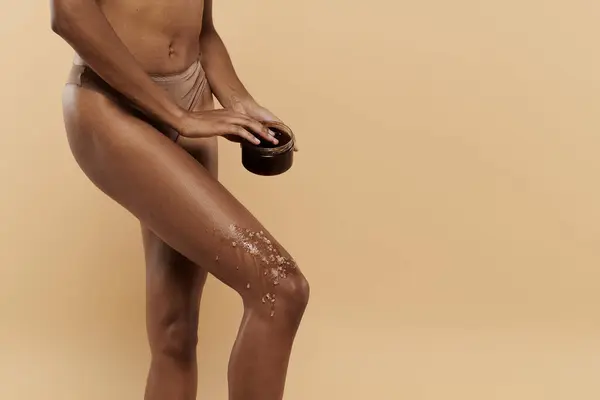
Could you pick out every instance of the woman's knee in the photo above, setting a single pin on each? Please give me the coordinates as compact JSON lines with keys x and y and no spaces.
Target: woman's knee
{"x":294,"y":291}
{"x":176,"y":340}
{"x":284,"y":301}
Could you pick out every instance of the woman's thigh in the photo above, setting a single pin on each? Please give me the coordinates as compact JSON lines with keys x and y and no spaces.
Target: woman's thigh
{"x":174,"y":284}
{"x":173,"y":195}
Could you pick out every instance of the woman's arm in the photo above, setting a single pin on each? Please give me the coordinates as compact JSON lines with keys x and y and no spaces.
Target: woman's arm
{"x":82,"y":25}
{"x":224,"y":82}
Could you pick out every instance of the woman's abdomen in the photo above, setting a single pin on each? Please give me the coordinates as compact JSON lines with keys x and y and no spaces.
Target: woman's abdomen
{"x":162,"y":35}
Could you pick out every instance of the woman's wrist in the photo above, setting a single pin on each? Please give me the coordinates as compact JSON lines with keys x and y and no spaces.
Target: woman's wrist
{"x":184,"y":123}
{"x":236,"y":101}
{"x":172,"y":115}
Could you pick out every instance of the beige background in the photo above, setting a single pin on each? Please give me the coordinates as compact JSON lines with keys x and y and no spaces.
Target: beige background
{"x":444,"y":205}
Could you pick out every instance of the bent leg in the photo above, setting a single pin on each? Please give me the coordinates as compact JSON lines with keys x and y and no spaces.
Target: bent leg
{"x":180,"y":202}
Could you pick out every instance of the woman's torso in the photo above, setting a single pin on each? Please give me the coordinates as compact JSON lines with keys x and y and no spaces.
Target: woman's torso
{"x":163,"y":35}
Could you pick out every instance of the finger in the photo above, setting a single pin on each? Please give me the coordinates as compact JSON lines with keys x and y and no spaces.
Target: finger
{"x":271,"y":132}
{"x":256,"y":127}
{"x":241,"y":132}
{"x":262,"y":130}
{"x":251,"y":123}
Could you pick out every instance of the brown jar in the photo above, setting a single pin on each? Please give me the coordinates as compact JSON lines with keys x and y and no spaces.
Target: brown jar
{"x":266,"y":158}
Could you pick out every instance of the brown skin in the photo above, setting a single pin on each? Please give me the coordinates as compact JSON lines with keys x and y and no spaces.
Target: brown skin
{"x":172,"y":188}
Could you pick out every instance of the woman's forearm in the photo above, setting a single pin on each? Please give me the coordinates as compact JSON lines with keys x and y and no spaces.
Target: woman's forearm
{"x":82,"y":25}
{"x":223,"y":79}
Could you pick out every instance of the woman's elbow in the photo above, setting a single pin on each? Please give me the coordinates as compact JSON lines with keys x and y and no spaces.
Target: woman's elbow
{"x":55,"y":25}
{"x":61,"y":14}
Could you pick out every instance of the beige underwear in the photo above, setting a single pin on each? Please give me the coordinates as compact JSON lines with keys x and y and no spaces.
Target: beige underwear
{"x":187,"y":89}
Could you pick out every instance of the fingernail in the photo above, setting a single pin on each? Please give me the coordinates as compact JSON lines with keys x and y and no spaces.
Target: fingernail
{"x":271,"y":132}
{"x":256,"y":141}
{"x":275,"y":141}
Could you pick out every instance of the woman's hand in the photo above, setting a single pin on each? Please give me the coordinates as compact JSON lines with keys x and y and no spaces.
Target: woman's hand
{"x":230,"y":124}
{"x":256,"y":112}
